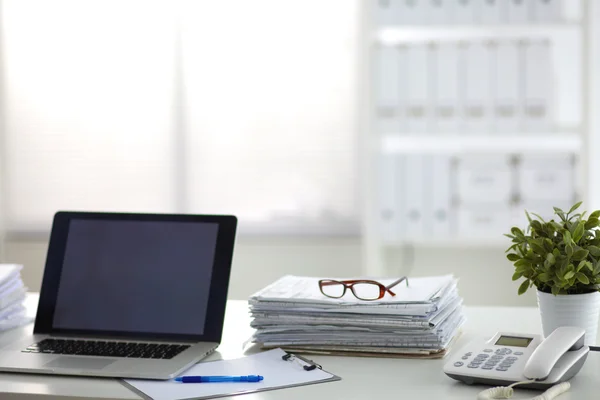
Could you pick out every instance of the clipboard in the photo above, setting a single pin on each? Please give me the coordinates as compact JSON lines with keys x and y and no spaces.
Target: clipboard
{"x":280,"y":370}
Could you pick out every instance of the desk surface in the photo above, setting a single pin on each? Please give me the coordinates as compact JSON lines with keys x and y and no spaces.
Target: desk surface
{"x":362,"y":378}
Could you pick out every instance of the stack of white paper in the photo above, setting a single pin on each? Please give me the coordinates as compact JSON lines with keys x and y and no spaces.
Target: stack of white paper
{"x":422,"y":318}
{"x":12,"y":296}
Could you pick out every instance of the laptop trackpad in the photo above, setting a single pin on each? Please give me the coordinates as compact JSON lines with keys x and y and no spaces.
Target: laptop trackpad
{"x":79,"y":363}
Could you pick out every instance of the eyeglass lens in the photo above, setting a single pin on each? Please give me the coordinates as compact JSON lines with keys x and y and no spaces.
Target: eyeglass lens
{"x":363,"y":291}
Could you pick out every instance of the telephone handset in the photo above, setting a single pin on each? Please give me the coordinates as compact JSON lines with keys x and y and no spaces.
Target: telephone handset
{"x":508,"y":358}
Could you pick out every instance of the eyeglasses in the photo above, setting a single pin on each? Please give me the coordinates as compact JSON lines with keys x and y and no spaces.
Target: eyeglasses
{"x":361,"y":289}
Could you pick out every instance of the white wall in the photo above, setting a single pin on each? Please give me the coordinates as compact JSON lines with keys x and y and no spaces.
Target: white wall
{"x":484,"y":273}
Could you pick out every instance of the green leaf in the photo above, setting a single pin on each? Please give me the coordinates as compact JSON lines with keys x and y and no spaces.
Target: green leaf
{"x":578,"y":234}
{"x":516,"y":276}
{"x":544,"y":277}
{"x":550,"y":258}
{"x":528,"y":216}
{"x":509,"y":236}
{"x":589,"y":266}
{"x":524,"y":286}
{"x":555,"y":290}
{"x":580,"y":254}
{"x":513,"y":257}
{"x":537,"y":248}
{"x":514,"y":246}
{"x":523,"y":263}
{"x":569,"y":250}
{"x":560,"y":213}
{"x":583,"y":278}
{"x":580,"y":265}
{"x":575,"y":207}
{"x":569,"y":275}
{"x":594,"y":250}
{"x":517,"y":232}
{"x":538,"y":217}
{"x":567,"y":237}
{"x":592,"y":223}
{"x":595,"y":214}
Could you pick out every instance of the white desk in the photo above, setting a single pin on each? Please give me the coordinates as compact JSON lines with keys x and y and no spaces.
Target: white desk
{"x":362,"y":378}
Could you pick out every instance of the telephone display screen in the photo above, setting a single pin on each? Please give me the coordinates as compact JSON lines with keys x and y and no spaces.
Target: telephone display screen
{"x":513,"y":341}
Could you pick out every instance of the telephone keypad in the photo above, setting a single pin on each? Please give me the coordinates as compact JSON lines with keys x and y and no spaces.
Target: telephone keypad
{"x":500,"y":360}
{"x":518,"y":353}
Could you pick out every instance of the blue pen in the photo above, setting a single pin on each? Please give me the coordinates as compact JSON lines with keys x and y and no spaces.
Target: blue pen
{"x":207,"y":379}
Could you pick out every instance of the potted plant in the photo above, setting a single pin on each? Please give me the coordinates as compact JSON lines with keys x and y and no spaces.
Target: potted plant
{"x":562,"y":260}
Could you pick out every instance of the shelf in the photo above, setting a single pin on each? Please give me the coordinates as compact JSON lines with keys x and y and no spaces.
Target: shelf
{"x":449,"y":144}
{"x":500,"y":242}
{"x":394,"y":35}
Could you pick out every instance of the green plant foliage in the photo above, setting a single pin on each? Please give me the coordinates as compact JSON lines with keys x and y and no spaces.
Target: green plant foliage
{"x":558,"y":257}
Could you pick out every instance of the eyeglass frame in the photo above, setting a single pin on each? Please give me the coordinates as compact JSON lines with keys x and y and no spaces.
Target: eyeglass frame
{"x":349,"y":284}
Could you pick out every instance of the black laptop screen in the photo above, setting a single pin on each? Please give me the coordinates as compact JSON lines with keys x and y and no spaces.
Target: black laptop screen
{"x":136,"y":276}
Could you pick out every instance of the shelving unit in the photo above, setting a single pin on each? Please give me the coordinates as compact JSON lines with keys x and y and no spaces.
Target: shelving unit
{"x":559,"y":139}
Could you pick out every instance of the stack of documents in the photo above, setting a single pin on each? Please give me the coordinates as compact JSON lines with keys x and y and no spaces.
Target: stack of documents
{"x":12,"y":297}
{"x":422,"y":320}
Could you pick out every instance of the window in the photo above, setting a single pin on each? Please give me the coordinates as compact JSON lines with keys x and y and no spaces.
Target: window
{"x":242,"y":107}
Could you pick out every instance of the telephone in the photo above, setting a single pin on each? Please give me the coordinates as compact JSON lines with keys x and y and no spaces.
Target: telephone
{"x":508,"y":358}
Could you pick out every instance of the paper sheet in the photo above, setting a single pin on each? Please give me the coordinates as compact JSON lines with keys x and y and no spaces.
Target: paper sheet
{"x":306,"y":290}
{"x":277,"y":374}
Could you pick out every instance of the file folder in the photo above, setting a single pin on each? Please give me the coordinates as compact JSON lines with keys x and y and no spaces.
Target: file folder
{"x":477,"y":77}
{"x":463,"y":11}
{"x":507,"y":90}
{"x":446,"y":92}
{"x":414,"y":195}
{"x":519,"y":11}
{"x":440,"y":195}
{"x":418,"y":112}
{"x":547,"y":179}
{"x":411,"y":12}
{"x":390,"y":72}
{"x":383,"y":13}
{"x":538,"y":81}
{"x":547,"y":10}
{"x":437,"y":12}
{"x":390,"y":197}
{"x":493,"y":11}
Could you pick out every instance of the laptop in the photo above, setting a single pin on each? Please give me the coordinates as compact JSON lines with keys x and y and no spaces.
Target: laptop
{"x":128,"y":295}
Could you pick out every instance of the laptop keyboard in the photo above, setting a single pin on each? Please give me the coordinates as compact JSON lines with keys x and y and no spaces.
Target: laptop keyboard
{"x":106,"y":349}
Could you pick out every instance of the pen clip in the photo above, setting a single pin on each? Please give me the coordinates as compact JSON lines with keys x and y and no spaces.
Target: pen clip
{"x":292,"y":357}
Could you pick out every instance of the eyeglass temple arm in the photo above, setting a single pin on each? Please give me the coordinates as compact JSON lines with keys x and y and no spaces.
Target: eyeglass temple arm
{"x":391,"y":285}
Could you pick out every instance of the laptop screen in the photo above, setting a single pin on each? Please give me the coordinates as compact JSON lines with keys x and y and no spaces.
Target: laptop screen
{"x":137,"y":275}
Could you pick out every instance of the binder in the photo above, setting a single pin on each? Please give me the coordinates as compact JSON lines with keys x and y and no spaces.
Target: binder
{"x":440,"y":195}
{"x":418,"y":111}
{"x":547,"y":10}
{"x":411,"y":12}
{"x":390,"y":197}
{"x":537,"y":81}
{"x":546,"y":179}
{"x":476,"y":80}
{"x":507,"y":87}
{"x":389,"y":73}
{"x":446,"y":87}
{"x":484,"y":179}
{"x":383,"y":13}
{"x":437,"y":11}
{"x":519,"y":11}
{"x":463,"y":11}
{"x":493,"y":11}
{"x":414,"y":195}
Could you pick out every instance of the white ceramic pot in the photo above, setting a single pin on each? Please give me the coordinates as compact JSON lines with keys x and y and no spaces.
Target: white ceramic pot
{"x":570,"y":310}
